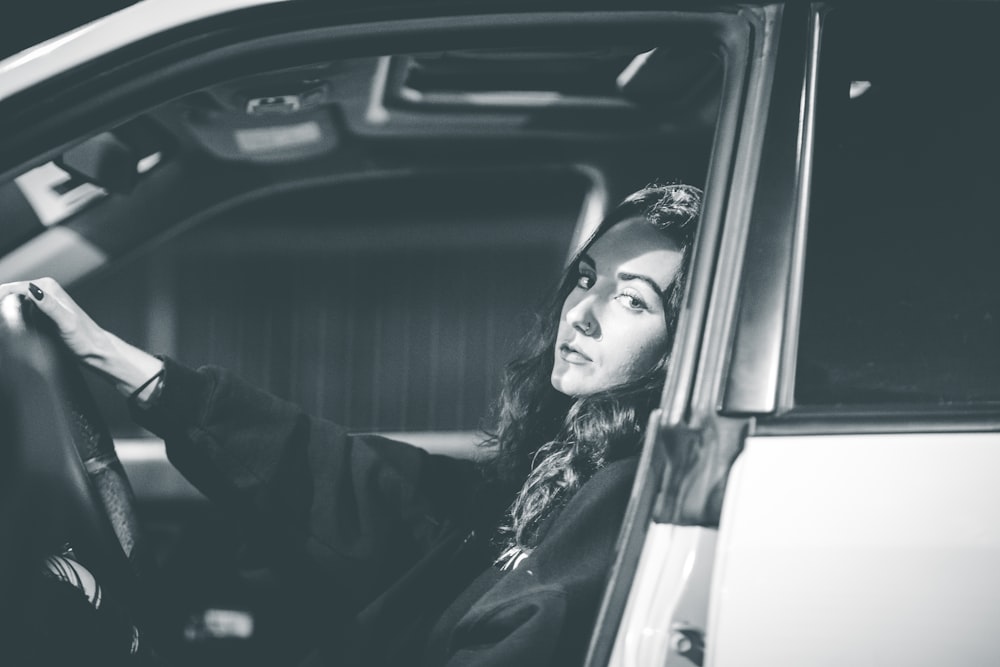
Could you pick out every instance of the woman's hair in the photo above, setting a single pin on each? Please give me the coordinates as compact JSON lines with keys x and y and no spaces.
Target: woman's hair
{"x":548,"y":443}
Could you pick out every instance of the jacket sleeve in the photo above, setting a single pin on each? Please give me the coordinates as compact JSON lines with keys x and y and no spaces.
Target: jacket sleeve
{"x":362,"y":509}
{"x":543,"y":612}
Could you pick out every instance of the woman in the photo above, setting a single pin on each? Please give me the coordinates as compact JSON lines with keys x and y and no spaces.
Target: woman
{"x":412,"y":558}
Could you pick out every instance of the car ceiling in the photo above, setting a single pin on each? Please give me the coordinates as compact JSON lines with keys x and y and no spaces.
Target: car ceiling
{"x":644,"y":107}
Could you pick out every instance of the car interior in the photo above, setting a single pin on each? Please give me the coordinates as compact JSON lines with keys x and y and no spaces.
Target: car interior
{"x":364,"y":232}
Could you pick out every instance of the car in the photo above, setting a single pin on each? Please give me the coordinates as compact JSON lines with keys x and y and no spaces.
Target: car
{"x":352,"y":204}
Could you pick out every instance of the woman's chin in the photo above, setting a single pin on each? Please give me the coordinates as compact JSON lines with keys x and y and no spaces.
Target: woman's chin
{"x":566,"y":384}
{"x":559,"y":383}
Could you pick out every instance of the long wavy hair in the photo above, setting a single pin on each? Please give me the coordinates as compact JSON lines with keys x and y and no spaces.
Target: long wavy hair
{"x":548,"y":444}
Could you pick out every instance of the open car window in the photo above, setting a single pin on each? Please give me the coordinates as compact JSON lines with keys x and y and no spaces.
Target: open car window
{"x":388,"y":305}
{"x":367,"y":237}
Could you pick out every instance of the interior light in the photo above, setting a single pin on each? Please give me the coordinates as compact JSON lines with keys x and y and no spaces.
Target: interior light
{"x":276,"y":138}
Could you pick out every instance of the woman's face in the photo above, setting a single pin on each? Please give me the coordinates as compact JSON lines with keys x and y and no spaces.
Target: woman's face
{"x":613,"y":326}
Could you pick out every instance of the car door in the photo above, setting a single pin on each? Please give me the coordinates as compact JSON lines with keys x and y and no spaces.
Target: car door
{"x":858,"y":375}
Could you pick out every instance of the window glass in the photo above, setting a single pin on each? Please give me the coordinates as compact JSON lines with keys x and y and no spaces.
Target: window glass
{"x":901,"y":301}
{"x":387,"y":305}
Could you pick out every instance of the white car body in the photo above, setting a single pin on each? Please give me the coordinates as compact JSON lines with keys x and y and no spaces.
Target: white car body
{"x":105,"y":35}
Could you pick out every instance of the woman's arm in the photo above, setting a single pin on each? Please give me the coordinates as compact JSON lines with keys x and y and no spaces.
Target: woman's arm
{"x":359,"y":509}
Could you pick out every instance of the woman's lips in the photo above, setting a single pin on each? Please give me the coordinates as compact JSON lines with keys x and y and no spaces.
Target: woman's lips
{"x":572,"y":355}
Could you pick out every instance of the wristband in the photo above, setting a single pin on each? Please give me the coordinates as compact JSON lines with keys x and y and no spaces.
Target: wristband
{"x":134,"y":396}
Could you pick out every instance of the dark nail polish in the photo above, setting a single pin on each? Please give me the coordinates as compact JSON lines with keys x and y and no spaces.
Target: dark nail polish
{"x":35,"y":291}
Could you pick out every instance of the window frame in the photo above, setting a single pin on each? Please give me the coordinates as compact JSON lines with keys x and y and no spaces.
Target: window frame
{"x":760,"y":376}
{"x":757,"y":364}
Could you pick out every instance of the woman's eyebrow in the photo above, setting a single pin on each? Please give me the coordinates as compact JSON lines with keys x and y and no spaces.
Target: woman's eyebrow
{"x":649,"y":281}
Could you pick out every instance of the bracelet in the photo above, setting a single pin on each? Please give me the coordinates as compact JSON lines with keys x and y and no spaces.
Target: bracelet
{"x":134,"y":396}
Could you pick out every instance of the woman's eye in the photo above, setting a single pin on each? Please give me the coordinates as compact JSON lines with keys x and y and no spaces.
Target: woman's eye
{"x":584,"y":280}
{"x":631,"y":301}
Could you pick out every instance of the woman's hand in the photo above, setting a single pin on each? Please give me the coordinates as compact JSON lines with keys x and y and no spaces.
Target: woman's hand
{"x":127,"y":366}
{"x":80,"y":333}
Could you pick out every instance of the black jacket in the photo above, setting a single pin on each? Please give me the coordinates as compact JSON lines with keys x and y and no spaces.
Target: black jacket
{"x":392,"y":543}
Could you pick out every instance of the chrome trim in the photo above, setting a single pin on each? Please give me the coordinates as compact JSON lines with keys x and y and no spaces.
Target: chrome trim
{"x":751,"y":378}
{"x":714,"y":270}
{"x":793,"y":305}
{"x":737,"y":205}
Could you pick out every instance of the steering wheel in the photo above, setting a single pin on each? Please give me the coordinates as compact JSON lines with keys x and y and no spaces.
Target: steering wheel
{"x":62,"y":480}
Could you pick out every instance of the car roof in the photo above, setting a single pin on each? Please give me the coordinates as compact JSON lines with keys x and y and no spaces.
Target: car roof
{"x":40,"y":20}
{"x":49,"y":47}
{"x":125,"y":24}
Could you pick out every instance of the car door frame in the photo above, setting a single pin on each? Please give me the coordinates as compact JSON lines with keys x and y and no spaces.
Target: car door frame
{"x":656,"y":608}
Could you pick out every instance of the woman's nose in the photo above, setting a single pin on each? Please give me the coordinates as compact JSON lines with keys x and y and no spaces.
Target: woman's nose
{"x":582,"y":317}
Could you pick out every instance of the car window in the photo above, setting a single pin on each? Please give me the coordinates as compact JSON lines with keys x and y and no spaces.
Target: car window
{"x":386,"y":305}
{"x":901,"y":301}
{"x":370,"y":237}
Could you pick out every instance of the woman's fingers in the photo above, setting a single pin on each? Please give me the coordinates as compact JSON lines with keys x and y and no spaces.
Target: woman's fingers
{"x":44,"y":293}
{"x":75,"y":326}
{"x":35,"y":288}
{"x":53,"y":300}
{"x":6,"y":289}
{"x":22,"y":289}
